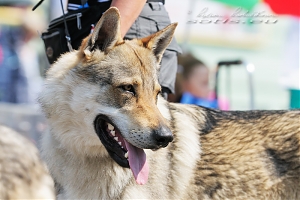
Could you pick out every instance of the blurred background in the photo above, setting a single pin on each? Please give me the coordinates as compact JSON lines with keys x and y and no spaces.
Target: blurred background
{"x":260,"y":38}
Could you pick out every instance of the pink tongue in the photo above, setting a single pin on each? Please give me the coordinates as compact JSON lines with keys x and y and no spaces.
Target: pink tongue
{"x":138,"y":163}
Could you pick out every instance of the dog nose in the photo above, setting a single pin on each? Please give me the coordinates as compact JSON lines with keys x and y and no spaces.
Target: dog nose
{"x":163,"y":136}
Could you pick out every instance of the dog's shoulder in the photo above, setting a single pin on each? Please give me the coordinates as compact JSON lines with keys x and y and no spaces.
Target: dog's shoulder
{"x":23,"y":174}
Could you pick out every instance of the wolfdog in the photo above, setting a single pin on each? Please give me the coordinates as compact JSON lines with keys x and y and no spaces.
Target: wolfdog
{"x":112,"y":136}
{"x":22,"y":173}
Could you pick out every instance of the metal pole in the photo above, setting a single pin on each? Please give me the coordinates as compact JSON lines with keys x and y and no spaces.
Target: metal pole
{"x":250,"y":69}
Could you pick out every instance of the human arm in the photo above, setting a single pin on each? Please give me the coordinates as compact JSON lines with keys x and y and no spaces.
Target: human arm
{"x":129,"y":10}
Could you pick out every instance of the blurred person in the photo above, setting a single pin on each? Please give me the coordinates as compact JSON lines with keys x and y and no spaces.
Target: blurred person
{"x":193,"y":82}
{"x":31,"y":54}
{"x":13,"y":82}
{"x":20,"y":76}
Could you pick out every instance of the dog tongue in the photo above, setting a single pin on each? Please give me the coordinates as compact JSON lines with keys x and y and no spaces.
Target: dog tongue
{"x":138,"y":163}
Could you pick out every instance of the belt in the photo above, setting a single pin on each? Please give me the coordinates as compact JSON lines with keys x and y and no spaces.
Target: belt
{"x":161,"y":1}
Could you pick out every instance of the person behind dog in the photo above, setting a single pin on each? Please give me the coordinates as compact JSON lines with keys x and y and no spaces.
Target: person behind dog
{"x":140,"y":18}
{"x":193,"y":82}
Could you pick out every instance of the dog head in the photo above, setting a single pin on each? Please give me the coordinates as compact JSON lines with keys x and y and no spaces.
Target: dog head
{"x":112,"y":86}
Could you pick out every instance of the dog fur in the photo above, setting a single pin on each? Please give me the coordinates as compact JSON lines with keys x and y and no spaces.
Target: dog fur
{"x":192,"y":152}
{"x":22,"y":173}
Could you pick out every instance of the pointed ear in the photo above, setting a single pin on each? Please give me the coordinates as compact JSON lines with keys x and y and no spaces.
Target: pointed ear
{"x":106,"y":34}
{"x":158,"y":42}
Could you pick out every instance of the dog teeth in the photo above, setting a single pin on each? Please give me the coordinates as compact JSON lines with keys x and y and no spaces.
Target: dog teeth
{"x":113,"y":133}
{"x":126,"y":155}
{"x":110,"y":127}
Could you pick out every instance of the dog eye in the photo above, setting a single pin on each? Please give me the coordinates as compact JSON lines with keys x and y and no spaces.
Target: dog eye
{"x":128,"y":88}
{"x":158,"y":93}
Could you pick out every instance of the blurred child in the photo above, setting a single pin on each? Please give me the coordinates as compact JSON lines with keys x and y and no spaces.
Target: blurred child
{"x":193,"y":82}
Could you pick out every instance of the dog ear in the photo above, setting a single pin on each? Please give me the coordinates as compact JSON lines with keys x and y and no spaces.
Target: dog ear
{"x":158,"y":42}
{"x":106,"y":33}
